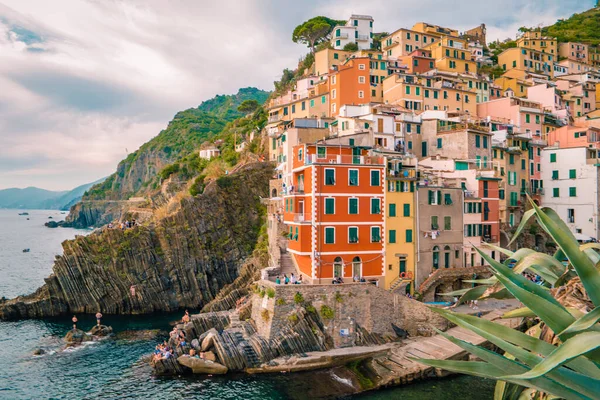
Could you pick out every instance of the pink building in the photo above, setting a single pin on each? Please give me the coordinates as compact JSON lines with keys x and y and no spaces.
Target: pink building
{"x":525,"y":115}
{"x":549,"y":96}
{"x":574,"y":136}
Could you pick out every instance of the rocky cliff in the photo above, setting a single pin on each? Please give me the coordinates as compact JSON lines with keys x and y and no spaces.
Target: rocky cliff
{"x":181,"y":260}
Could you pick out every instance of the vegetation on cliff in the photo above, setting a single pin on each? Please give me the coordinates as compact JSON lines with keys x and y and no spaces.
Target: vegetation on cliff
{"x":214,"y":118}
{"x":582,"y":27}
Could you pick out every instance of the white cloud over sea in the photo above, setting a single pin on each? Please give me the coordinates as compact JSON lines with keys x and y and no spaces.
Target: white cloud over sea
{"x":81,"y":81}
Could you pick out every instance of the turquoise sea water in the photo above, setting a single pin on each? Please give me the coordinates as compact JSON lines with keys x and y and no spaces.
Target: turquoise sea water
{"x":114,"y":368}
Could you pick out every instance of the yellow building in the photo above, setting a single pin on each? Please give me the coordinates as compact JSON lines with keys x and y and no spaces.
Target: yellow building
{"x":527,"y":59}
{"x":328,"y":58}
{"x":515,"y":80}
{"x":312,"y":104}
{"x":434,"y":30}
{"x":534,"y":40}
{"x":404,"y":41}
{"x":452,"y":54}
{"x":429,"y":92}
{"x":400,"y":217}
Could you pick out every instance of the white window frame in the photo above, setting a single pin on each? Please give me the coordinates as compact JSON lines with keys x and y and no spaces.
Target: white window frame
{"x":361,"y":79}
{"x":325,"y":176}
{"x":333,"y":80}
{"x":357,"y":205}
{"x":325,"y":205}
{"x":379,"y":173}
{"x":325,"y":234}
{"x":361,"y":67}
{"x":357,"y":234}
{"x":357,"y":176}
{"x":333,"y":107}
{"x":371,"y":233}
{"x":371,"y":205}
{"x":361,"y":94}
{"x":333,"y":94}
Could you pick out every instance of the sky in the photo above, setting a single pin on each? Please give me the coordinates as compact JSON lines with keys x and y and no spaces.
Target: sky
{"x":84,"y":82}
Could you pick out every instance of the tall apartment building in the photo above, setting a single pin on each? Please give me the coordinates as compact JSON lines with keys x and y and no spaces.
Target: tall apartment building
{"x":534,"y":40}
{"x":335,"y":213}
{"x":574,"y":51}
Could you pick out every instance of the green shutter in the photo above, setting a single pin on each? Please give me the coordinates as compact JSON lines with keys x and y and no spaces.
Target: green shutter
{"x":477,"y":141}
{"x":439,"y":143}
{"x":392,"y":236}
{"x":409,"y":236}
{"x":412,"y":187}
{"x":447,"y":199}
{"x":375,"y":208}
{"x":353,"y":235}
{"x":572,"y":174}
{"x":554,"y":174}
{"x":374,"y":178}
{"x":407,"y":210}
{"x":553,"y":157}
{"x":572,"y":192}
{"x":431,"y":198}
{"x":392,"y":210}
{"x":375,"y":234}
{"x":330,"y":177}
{"x":353,"y":206}
{"x":329,"y":235}
{"x":353,"y":177}
{"x":439,"y":197}
{"x":329,"y":206}
{"x":555,"y":192}
{"x":447,"y":223}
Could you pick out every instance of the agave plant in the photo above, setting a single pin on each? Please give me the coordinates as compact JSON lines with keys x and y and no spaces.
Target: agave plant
{"x":557,"y":358}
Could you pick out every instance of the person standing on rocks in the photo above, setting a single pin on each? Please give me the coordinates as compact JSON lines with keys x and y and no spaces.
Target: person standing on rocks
{"x":98,"y":317}
{"x":74,"y":319}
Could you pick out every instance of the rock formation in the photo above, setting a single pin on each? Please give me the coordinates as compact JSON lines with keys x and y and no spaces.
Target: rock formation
{"x":181,"y":260}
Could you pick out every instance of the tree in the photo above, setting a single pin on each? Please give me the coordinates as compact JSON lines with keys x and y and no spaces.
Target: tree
{"x":314,"y":31}
{"x":377,"y":38}
{"x":248,"y":106}
{"x":351,"y":47}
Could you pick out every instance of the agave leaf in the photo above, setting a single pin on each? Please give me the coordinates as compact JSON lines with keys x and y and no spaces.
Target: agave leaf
{"x":526,"y":216}
{"x":488,"y":281}
{"x":545,"y":260}
{"x":586,"y":246}
{"x":499,"y":294}
{"x":587,"y":321}
{"x":486,"y":370}
{"x":495,"y":332}
{"x":499,"y":249}
{"x":507,"y":391}
{"x":586,"y":269}
{"x":472,"y":294}
{"x":519,"y":313}
{"x":592,"y":254}
{"x":574,"y":347}
{"x":519,"y":254}
{"x":456,"y":292}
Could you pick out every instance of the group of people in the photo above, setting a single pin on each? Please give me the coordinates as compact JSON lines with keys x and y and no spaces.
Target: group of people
{"x":98,"y":320}
{"x":162,"y":352}
{"x":289,"y":280}
{"x":123,"y":225}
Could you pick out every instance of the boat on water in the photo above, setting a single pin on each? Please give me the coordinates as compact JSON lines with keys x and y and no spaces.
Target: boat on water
{"x":26,"y":250}
{"x":24,"y":213}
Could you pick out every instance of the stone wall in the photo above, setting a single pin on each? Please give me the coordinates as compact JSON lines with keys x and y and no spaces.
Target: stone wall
{"x":449,"y":279}
{"x":359,"y":310}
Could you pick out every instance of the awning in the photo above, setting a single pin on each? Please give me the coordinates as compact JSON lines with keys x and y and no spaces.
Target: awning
{"x":280,"y":167}
{"x":584,"y":238}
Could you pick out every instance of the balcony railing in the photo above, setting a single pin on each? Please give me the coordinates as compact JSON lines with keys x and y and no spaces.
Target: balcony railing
{"x":343,"y":159}
{"x":362,"y":38}
{"x":342,"y":36}
{"x":402,"y":174}
{"x":298,"y":217}
{"x":537,"y":190}
{"x":490,"y":238}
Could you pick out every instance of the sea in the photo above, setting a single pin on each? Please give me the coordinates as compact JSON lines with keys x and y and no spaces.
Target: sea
{"x":116,"y":368}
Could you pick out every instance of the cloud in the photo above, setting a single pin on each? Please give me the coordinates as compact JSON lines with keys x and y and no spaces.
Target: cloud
{"x":81,"y":81}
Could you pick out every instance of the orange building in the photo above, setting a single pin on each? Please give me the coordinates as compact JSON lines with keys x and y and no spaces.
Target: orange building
{"x":418,"y":62}
{"x":574,"y":136}
{"x":335,"y":213}
{"x":350,"y":84}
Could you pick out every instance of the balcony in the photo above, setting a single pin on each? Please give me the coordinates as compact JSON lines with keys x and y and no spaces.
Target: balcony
{"x":490,"y":239}
{"x":362,"y":38}
{"x":341,"y":36}
{"x":302,"y":218}
{"x":402,"y":174}
{"x":343,"y":159}
{"x":537,"y":190}
{"x":539,"y":142}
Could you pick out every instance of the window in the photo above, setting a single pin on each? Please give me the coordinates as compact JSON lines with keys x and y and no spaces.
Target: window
{"x":556,"y":192}
{"x":353,"y":205}
{"x":477,"y":141}
{"x":361,"y":94}
{"x":435,"y":197}
{"x":553,"y":157}
{"x":448,"y":223}
{"x":511,"y":158}
{"x":330,"y":205}
{"x":554,"y":175}
{"x":353,"y":177}
{"x":375,"y":177}
{"x":571,"y":215}
{"x":436,"y":257}
{"x":447,"y":199}
{"x":409,"y":236}
{"x":523,"y":165}
{"x":299,"y":154}
{"x":361,"y":67}
{"x":407,"y":90}
{"x":375,"y":206}
{"x":392,"y":236}
{"x":501,"y":194}
{"x":375,"y":234}
{"x":329,"y":176}
{"x":338,"y":43}
{"x":527,"y":118}
{"x":426,"y":93}
{"x":485,"y":142}
{"x":336,"y":55}
{"x":361,"y":79}
{"x":353,"y":234}
{"x":407,"y":210}
{"x":329,"y":235}
{"x":572,"y":192}
{"x":418,"y":91}
{"x":572,"y":174}
{"x":434,"y":222}
{"x":392,"y":210}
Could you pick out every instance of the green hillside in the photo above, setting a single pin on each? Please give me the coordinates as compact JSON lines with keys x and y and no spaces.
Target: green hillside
{"x":184,"y":134}
{"x":582,"y":27}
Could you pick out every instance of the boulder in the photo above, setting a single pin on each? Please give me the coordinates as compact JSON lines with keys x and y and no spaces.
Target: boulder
{"x":39,"y":352}
{"x":51,"y":224}
{"x":209,"y":340}
{"x":196,"y":345}
{"x":200,"y":366}
{"x":77,"y":336}
{"x":146,"y":334}
{"x":101,"y":330}
{"x":210,"y":356}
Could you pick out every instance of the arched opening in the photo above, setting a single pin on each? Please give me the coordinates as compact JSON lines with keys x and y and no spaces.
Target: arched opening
{"x":539,"y":242}
{"x":338,"y":267}
{"x":357,"y":267}
{"x":274,"y":193}
{"x":436,"y":257}
{"x":446,"y":256}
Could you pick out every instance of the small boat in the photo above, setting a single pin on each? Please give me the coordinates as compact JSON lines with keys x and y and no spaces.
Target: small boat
{"x":49,"y":217}
{"x":26,"y":250}
{"x":24,"y":213}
